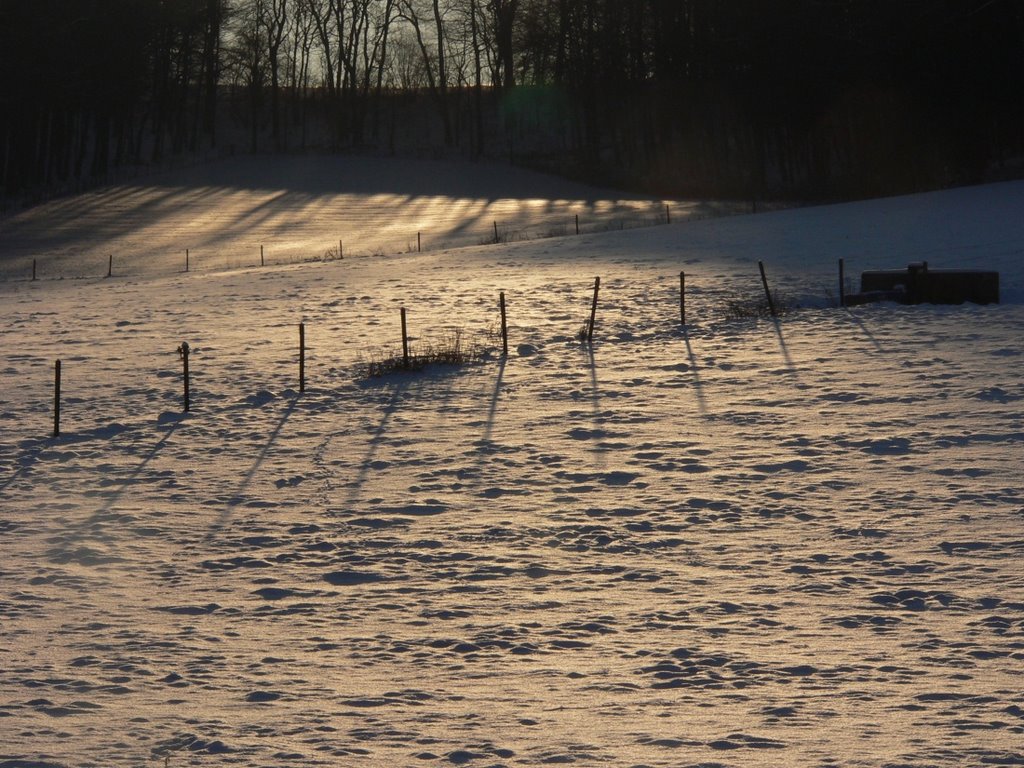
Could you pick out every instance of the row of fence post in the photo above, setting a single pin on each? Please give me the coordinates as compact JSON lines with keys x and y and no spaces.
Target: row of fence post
{"x":184,"y":351}
{"x":586,"y":335}
{"x":341,"y":248}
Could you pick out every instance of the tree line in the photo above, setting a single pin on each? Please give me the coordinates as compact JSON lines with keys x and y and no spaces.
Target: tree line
{"x":805,"y":98}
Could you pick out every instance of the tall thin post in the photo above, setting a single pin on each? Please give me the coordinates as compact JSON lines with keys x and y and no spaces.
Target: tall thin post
{"x":110,"y":266}
{"x":33,"y":270}
{"x":504,"y":324}
{"x":419,"y":243}
{"x":767,"y":292}
{"x":302,"y":357}
{"x":183,"y":351}
{"x":186,"y":259}
{"x":405,"y":341}
{"x":495,"y":232}
{"x":56,"y":399}
{"x":668,"y":214}
{"x":262,"y":262}
{"x":577,"y":223}
{"x":341,"y":250}
{"x":682,"y":298}
{"x":593,"y":310}
{"x":842,"y":284}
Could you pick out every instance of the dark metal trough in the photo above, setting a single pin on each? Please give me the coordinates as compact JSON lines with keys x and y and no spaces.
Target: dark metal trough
{"x":919,"y":285}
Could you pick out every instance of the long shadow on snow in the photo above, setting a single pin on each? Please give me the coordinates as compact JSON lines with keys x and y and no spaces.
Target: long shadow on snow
{"x":239,"y":496}
{"x":74,"y":533}
{"x":34,"y":448}
{"x":406,"y":383}
{"x":492,"y":406}
{"x":791,"y":368}
{"x":865,"y":329}
{"x":378,"y":437}
{"x":113,"y":498}
{"x":595,"y":403}
{"x":485,"y":445}
{"x":698,"y":385}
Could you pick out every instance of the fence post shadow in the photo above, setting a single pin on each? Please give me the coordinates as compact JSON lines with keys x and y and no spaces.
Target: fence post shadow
{"x":595,"y":401}
{"x":492,"y":407}
{"x":698,"y":385}
{"x":247,"y":480}
{"x":777,"y":324}
{"x":867,"y":331}
{"x":375,"y":441}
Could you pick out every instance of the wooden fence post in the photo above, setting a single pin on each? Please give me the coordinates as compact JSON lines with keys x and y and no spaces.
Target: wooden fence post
{"x":405,"y":341}
{"x":496,"y":232}
{"x":504,"y":324}
{"x":186,"y":259}
{"x":577,"y":223}
{"x":262,"y":262}
{"x":56,"y":399}
{"x":668,"y":215}
{"x":682,"y":298}
{"x":183,"y":351}
{"x":110,"y":266}
{"x":419,"y":243}
{"x":767,"y":292}
{"x":341,"y":250}
{"x":842,"y":284}
{"x":302,"y":357}
{"x":593,"y":310}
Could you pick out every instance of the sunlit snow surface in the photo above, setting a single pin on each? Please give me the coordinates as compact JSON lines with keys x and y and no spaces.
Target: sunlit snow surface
{"x":243,"y":210}
{"x":740,"y":543}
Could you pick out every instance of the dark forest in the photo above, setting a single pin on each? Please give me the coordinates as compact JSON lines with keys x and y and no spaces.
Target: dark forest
{"x":795,"y":99}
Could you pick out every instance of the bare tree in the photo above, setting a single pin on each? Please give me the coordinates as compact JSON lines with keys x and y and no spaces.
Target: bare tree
{"x":503,"y":15}
{"x":277,"y":22}
{"x":435,"y":63}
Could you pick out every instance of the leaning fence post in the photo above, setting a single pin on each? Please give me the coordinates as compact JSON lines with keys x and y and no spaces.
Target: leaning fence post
{"x":767,"y":292}
{"x":183,"y":352}
{"x":504,"y":324}
{"x":593,"y":310}
{"x":842,"y":284}
{"x":302,"y":357}
{"x":56,"y":399}
{"x":405,"y":341}
{"x":682,"y":298}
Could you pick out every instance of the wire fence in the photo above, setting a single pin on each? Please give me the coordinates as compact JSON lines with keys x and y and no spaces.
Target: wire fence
{"x":57,"y":254}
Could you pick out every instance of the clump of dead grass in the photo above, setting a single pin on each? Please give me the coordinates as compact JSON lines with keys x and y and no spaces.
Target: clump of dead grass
{"x":453,"y":348}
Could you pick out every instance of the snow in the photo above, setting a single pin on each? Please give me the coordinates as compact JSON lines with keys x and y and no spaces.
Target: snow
{"x":738,"y":543}
{"x":297,"y":208}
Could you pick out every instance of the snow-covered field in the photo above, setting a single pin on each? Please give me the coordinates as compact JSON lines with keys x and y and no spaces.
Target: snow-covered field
{"x":735,"y":543}
{"x":291,"y":209}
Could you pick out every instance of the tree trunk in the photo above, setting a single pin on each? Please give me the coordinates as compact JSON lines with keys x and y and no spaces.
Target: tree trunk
{"x":442,"y":77}
{"x":478,"y":149}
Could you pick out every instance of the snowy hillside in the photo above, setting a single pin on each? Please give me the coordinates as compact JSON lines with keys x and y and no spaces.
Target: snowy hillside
{"x":735,"y":543}
{"x":298,"y":209}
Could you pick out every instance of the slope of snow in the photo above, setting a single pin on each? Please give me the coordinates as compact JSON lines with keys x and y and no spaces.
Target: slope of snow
{"x":298,"y":208}
{"x":734,"y":543}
